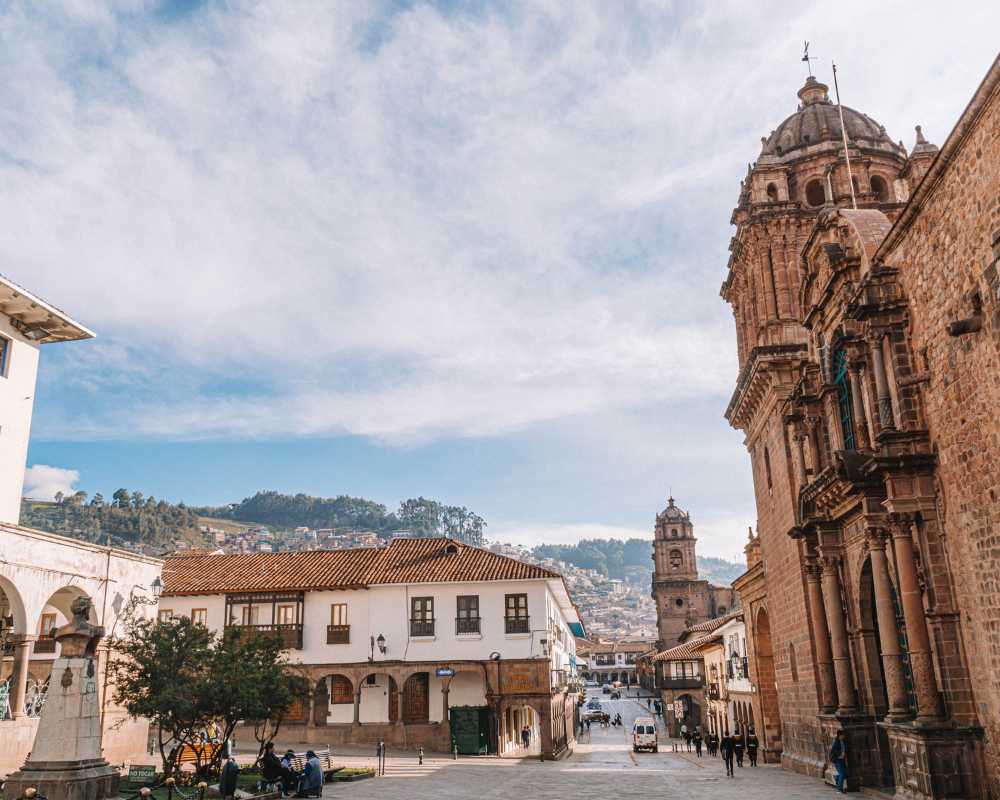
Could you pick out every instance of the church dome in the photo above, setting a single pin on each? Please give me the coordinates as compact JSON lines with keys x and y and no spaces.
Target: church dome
{"x":818,"y":120}
{"x":672,"y":513}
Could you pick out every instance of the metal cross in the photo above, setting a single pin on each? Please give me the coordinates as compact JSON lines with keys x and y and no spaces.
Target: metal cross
{"x":807,"y":58}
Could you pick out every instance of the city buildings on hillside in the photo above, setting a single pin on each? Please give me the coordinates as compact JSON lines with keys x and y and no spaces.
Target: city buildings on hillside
{"x":866,"y":294}
{"x":407,"y":644}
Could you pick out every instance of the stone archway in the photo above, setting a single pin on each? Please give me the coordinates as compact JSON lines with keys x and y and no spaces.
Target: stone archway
{"x":767,"y":686}
{"x":416,"y":698}
{"x":11,"y":606}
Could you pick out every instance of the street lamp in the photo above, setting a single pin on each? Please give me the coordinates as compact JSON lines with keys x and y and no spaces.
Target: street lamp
{"x":157,"y":588}
{"x":381,"y":646}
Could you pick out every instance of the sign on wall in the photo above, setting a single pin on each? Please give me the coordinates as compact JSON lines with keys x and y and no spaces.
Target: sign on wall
{"x":679,"y":709}
{"x":137,"y":773}
{"x":445,"y":672}
{"x":521,"y":681}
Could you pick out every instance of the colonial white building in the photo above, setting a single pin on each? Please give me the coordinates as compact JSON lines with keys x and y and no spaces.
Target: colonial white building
{"x":26,"y":323}
{"x":41,"y":574}
{"x":607,"y":662}
{"x":414,"y":643}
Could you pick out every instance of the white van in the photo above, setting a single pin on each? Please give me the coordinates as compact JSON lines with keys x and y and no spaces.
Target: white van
{"x":644,"y":734}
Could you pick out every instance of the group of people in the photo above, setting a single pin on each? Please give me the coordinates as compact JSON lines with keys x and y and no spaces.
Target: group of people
{"x":731,"y":746}
{"x":282,"y":772}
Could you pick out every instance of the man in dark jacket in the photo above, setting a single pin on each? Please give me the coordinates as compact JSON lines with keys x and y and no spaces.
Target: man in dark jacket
{"x":838,"y":757}
{"x":738,"y":746}
{"x":311,"y":784}
{"x":752,"y":744}
{"x":726,"y":746}
{"x":274,"y":772}
{"x":229,"y":778}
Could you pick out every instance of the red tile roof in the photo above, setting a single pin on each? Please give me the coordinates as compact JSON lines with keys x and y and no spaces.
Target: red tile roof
{"x":712,"y":624}
{"x":687,"y":651}
{"x":403,"y":561}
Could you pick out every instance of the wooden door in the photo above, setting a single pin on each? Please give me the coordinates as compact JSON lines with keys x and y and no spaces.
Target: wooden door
{"x":393,"y":700}
{"x":416,"y":699}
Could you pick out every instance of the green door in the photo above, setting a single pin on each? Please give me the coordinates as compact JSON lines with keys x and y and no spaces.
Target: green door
{"x":468,"y":730}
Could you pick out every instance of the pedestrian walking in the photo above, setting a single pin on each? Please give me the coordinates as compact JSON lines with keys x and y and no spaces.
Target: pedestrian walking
{"x":838,"y":757}
{"x":697,"y":741}
{"x":727,"y":746}
{"x":713,"y":744}
{"x":526,"y":736}
{"x":229,"y":778}
{"x":739,"y":744}
{"x":752,"y":744}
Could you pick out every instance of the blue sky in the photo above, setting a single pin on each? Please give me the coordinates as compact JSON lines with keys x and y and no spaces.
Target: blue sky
{"x":465,"y":250}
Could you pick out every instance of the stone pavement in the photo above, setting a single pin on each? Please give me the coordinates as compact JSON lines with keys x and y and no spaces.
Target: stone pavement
{"x":603,"y":765}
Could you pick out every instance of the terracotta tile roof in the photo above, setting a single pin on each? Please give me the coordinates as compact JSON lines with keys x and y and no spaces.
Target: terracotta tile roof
{"x":403,"y":561}
{"x":687,"y":651}
{"x":713,"y":624}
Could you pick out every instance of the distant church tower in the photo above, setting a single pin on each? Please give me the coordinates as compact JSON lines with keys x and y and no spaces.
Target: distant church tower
{"x":681,"y":598}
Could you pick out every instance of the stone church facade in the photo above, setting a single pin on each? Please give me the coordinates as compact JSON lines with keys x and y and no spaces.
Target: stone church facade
{"x":867,"y":305}
{"x":682,"y":599}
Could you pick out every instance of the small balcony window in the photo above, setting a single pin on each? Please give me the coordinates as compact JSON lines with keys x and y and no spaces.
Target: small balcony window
{"x":467,"y":619}
{"x":421,"y":616}
{"x":516,"y":614}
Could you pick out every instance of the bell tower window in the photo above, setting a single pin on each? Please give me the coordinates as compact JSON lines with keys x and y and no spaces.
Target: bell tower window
{"x":772,"y":193}
{"x":880,"y":188}
{"x":815,"y":195}
{"x":676,"y":559}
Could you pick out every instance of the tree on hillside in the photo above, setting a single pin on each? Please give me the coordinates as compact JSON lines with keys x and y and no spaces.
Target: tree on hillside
{"x":121,"y":498}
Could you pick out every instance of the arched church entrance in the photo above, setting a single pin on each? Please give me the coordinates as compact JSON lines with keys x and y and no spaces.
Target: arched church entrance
{"x":767,"y":687}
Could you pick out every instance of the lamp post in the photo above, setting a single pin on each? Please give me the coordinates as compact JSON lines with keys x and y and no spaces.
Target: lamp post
{"x":380,"y":642}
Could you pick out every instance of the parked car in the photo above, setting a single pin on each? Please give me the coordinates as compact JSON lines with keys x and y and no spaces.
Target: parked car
{"x":606,"y":688}
{"x":594,"y":704}
{"x":644,"y":734}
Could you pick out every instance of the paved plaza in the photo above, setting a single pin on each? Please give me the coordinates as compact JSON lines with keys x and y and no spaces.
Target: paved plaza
{"x":604,"y":766}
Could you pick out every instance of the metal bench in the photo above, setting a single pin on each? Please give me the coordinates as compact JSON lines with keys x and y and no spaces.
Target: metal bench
{"x":325,"y":761}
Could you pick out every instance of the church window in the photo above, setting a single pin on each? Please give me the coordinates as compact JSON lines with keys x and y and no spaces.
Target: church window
{"x":792,"y":663}
{"x":815,"y":196}
{"x":673,"y":532}
{"x":676,"y":559}
{"x":767,"y":469}
{"x":679,"y":602}
{"x":772,"y":193}
{"x":842,"y":382}
{"x":880,"y":189}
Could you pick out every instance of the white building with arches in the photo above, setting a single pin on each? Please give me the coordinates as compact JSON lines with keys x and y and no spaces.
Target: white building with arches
{"x":40,"y":573}
{"x":425,"y":642}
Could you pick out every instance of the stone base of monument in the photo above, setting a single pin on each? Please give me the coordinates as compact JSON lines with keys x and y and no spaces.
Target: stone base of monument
{"x":64,"y":780}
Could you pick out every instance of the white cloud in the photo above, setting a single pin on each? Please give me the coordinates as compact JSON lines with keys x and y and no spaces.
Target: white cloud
{"x":41,"y":482}
{"x":314,"y":218}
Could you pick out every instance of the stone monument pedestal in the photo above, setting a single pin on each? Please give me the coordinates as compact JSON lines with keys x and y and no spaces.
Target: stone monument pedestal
{"x":65,"y":762}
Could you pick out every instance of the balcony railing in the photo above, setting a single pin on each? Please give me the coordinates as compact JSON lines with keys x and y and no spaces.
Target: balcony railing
{"x":516,"y":625}
{"x":686,"y":682}
{"x":338,"y":634}
{"x":467,"y":625}
{"x":45,"y":645}
{"x":290,"y":634}
{"x":421,"y":627}
{"x":713,"y":691}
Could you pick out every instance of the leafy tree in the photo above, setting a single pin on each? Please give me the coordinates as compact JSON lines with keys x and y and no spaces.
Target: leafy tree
{"x":181,"y":677}
{"x":97,"y":501}
{"x":59,"y":498}
{"x":122,"y":498}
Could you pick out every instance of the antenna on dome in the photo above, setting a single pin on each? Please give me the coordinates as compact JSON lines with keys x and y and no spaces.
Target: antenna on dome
{"x":843,"y":130}
{"x":807,"y":58}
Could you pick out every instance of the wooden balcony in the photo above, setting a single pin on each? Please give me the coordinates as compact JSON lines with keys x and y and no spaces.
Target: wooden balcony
{"x":45,"y":644}
{"x":688,"y":682}
{"x":290,"y":634}
{"x":516,"y":625}
{"x":338,"y":634}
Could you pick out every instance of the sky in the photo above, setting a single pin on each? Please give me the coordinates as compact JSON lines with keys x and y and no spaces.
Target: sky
{"x":469,"y":251}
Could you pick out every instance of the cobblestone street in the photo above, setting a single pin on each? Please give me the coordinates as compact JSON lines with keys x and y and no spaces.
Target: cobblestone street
{"x":603,"y":767}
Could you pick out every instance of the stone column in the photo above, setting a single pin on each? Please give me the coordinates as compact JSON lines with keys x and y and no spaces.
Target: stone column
{"x":857,"y":407}
{"x":320,"y":703}
{"x":357,"y":705}
{"x":19,"y":675}
{"x":815,"y":446}
{"x":821,"y":634}
{"x":834,"y":602}
{"x":881,"y":384}
{"x":892,"y":657}
{"x":445,"y":688}
{"x":911,"y":598}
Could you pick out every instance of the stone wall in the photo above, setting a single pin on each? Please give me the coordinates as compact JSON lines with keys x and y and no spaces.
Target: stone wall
{"x":947,"y":251}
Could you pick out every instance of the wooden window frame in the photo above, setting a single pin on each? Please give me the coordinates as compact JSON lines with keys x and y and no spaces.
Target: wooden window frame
{"x":199,"y":612}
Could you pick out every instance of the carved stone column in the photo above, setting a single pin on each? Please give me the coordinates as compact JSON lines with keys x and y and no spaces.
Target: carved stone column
{"x":815,"y":450}
{"x":925,"y":687}
{"x":19,"y":677}
{"x":320,"y":703}
{"x":881,"y":384}
{"x":821,"y":634}
{"x":885,"y":611}
{"x":846,"y":703}
{"x":445,"y":688}
{"x":357,"y":705}
{"x":857,"y":407}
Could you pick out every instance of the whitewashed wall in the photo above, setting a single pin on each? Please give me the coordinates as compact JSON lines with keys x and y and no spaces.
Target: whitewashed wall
{"x":17,"y":393}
